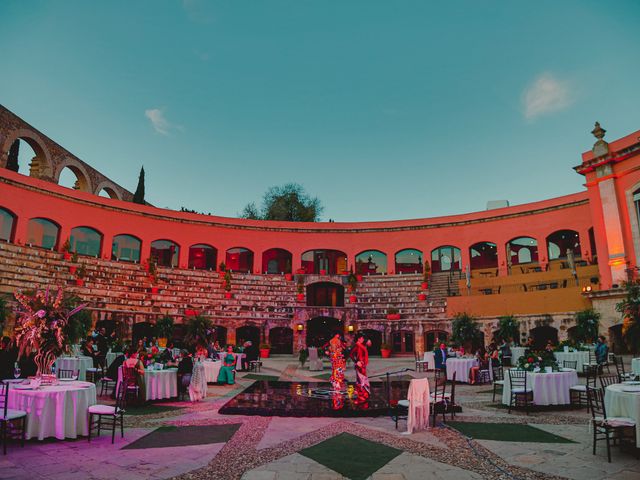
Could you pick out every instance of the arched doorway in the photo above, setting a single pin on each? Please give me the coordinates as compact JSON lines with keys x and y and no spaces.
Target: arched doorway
{"x":434,"y":338}
{"x":330,"y":262}
{"x":86,"y":241}
{"x":220,"y":334}
{"x":409,"y":260}
{"x":483,"y":255}
{"x":276,"y":261}
{"x":321,"y":329}
{"x":281,"y":340}
{"x":126,"y":248}
{"x":165,"y":252}
{"x":239,"y":259}
{"x":558,"y":243}
{"x":376,"y":340}
{"x":203,"y":257}
{"x":446,"y":259}
{"x":402,"y":341}
{"x":141,"y":330}
{"x":541,"y":335}
{"x":522,"y":250}
{"x":371,"y":262}
{"x":248,"y":333}
{"x":43,"y":233}
{"x":7,"y":225}
{"x":325,"y":294}
{"x":616,"y":342}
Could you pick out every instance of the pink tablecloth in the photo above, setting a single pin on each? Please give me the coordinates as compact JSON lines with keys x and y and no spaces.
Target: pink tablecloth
{"x":58,"y":411}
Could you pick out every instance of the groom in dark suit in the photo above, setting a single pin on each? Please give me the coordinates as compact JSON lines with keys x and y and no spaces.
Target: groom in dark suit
{"x":440,"y":355}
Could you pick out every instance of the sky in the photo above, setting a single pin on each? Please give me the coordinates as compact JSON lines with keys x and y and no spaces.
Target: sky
{"x":383,"y":110}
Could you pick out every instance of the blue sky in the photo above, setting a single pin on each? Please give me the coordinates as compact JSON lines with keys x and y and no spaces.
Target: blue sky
{"x":384,"y":110}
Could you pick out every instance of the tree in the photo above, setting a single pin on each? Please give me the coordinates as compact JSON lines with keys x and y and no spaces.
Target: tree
{"x":465,"y":331}
{"x":138,"y":197}
{"x":12,"y":159}
{"x":285,"y":203}
{"x":508,"y":328}
{"x":198,"y":330}
{"x":164,"y":327}
{"x":630,"y":309}
{"x":587,"y":325}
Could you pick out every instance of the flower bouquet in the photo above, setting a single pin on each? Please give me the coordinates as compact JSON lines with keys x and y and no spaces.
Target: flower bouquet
{"x":538,"y":361}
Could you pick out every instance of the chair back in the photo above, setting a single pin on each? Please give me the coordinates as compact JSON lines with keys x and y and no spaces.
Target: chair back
{"x":619,"y":366}
{"x":128,"y":375}
{"x":498,"y":372}
{"x":592,"y":357}
{"x":120,"y":397}
{"x":453,"y":389}
{"x":591,"y":371}
{"x":570,"y":364}
{"x":440,"y":386}
{"x":517,"y":379}
{"x":4,"y":397}
{"x":606,"y":380}
{"x":62,"y":373}
{"x":595,"y":400}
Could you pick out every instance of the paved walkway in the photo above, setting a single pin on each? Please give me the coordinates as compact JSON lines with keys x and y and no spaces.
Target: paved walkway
{"x":269,"y":447}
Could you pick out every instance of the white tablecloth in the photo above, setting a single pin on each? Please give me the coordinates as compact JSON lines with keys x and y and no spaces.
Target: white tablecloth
{"x":548,"y":388}
{"x":77,"y":364}
{"x":111,"y":356}
{"x":430,"y":358}
{"x":581,"y":357}
{"x":635,"y":366}
{"x":516,"y":353}
{"x":239,"y":357}
{"x":462,"y":366}
{"x":211,"y":371}
{"x":623,"y":404}
{"x":58,"y":411}
{"x":159,"y":384}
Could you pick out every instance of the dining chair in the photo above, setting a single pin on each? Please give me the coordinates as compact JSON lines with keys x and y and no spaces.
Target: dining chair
{"x":572,"y":364}
{"x":498,"y":380}
{"x":62,"y":373}
{"x":12,"y":421}
{"x":520,"y":395}
{"x":110,"y":412}
{"x":578,"y":393}
{"x":606,"y":380}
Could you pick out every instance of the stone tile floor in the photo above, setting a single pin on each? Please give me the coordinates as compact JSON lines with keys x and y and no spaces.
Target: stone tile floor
{"x":267,"y":447}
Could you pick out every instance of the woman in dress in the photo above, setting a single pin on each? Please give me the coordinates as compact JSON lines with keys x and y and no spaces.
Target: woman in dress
{"x":228,"y":367}
{"x":133,"y":366}
{"x":335,"y":351}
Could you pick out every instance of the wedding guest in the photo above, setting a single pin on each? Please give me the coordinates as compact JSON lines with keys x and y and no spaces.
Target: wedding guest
{"x":27,"y":363}
{"x":549,"y":347}
{"x":88,"y":351}
{"x":483,"y":364}
{"x":251,"y":354}
{"x":201,"y":352}
{"x":185,"y":370}
{"x":167,"y":354}
{"x":7,"y":358}
{"x":133,"y":362}
{"x":228,"y":367}
{"x":440,"y":355}
{"x":602,"y":351}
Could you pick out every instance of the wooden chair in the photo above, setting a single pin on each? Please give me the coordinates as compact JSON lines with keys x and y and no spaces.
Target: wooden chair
{"x":603,"y":426}
{"x":255,"y":365}
{"x":12,"y":422}
{"x":498,"y":380}
{"x":520,"y":394}
{"x":572,"y":364}
{"x":129,"y":384}
{"x":110,"y":412}
{"x":484,"y":376}
{"x":619,"y":363}
{"x":578,"y":393}
{"x":421,"y":364}
{"x":440,"y":398}
{"x":606,"y":380}
{"x":67,"y":373}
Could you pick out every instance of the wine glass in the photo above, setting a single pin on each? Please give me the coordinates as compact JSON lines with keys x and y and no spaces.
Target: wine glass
{"x":16,"y":370}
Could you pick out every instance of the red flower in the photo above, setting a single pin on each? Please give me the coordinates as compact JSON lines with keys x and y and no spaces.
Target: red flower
{"x":530,"y":359}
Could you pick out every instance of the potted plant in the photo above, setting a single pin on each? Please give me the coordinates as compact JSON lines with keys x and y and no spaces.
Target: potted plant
{"x":466,"y":331}
{"x":323,"y":271}
{"x":385,"y":350}
{"x":352,"y":280}
{"x":422,"y":297}
{"x":300,"y":295}
{"x":74,"y":259}
{"x":164,"y":330}
{"x":227,"y":285}
{"x":393,"y":314}
{"x":265,"y":349}
{"x":222,"y":268}
{"x":81,"y":274}
{"x":154,"y":289}
{"x":66,"y":247}
{"x":152,"y":269}
{"x":425,"y":276}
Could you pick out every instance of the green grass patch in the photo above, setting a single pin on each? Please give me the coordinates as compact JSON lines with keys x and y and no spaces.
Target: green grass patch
{"x":322,"y":376}
{"x":171,"y":436}
{"x":256,"y":376}
{"x":351,"y":456}
{"x":506,"y":432}
{"x":150,"y":409}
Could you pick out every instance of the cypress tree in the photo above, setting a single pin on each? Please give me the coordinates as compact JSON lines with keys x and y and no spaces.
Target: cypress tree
{"x":12,"y":161}
{"x":138,"y":197}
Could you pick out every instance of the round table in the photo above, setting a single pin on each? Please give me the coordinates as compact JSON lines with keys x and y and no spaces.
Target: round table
{"x":77,"y":364}
{"x":548,"y":388}
{"x":58,"y":411}
{"x":580,"y":357}
{"x":635,"y":366}
{"x":430,"y":358}
{"x":211,"y":371}
{"x":158,"y":384}
{"x":461,"y":367}
{"x":618,"y":403}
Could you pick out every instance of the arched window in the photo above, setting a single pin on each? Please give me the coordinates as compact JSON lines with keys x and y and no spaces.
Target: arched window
{"x":86,"y":241}
{"x":165,"y":252}
{"x":7,"y":225}
{"x":42,"y":233}
{"x":483,"y":255}
{"x":239,"y":260}
{"x":330,"y":262}
{"x":446,"y":259}
{"x":72,"y":177}
{"x":636,"y":204}
{"x":559,"y":242}
{"x":325,"y":294}
{"x":203,"y":257}
{"x":27,"y":157}
{"x":409,"y":260}
{"x":276,"y":260}
{"x":126,"y":248}
{"x":371,"y":262}
{"x":523,"y":250}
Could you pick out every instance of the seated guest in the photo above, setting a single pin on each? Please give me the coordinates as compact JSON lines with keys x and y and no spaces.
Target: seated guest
{"x":228,"y":367}
{"x":483,"y":364}
{"x":7,"y":359}
{"x":27,"y":363}
{"x":251,"y":352}
{"x":549,"y":346}
{"x":185,"y":370}
{"x":440,"y":355}
{"x":167,"y":354}
{"x":505,"y":353}
{"x":133,"y":362}
{"x":201,"y":352}
{"x":112,"y":371}
{"x":87,"y":351}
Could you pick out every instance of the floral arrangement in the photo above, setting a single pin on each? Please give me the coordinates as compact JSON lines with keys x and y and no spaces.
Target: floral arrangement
{"x":572,"y":346}
{"x":534,"y":361}
{"x":43,"y":325}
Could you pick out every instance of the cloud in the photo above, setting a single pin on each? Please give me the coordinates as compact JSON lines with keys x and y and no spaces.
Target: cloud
{"x":546,"y":94}
{"x":159,"y":122}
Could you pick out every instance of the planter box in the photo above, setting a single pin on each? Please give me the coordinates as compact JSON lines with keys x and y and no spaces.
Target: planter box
{"x":66,"y":255}
{"x":353,"y":299}
{"x":154,"y":290}
{"x":190,"y":312}
{"x":385,"y":353}
{"x":393,"y":316}
{"x":80,"y":282}
{"x":422,"y":297}
{"x":264,"y":352}
{"x":228,"y":295}
{"x":72,"y":269}
{"x":424,"y":285}
{"x":323,"y":272}
{"x":288,"y":277}
{"x":222,"y":274}
{"x":300,"y":297}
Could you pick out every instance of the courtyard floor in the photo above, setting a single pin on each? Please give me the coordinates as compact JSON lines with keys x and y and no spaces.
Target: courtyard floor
{"x":193,"y":441}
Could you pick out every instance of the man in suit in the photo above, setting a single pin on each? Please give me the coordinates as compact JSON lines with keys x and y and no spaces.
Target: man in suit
{"x":440,"y":355}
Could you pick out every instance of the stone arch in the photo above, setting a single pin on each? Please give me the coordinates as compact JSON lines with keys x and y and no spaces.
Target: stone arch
{"x":84,"y":180}
{"x":109,"y":188}
{"x":42,"y":164}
